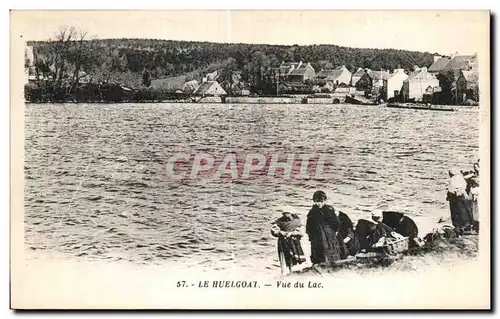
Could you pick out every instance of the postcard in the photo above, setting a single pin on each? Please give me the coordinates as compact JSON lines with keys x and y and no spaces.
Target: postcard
{"x":239,"y":159}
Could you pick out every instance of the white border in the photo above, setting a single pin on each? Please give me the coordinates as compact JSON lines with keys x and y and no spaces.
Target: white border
{"x":150,"y":4}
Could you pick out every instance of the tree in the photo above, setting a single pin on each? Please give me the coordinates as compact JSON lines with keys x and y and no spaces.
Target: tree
{"x":325,"y":65}
{"x":365,"y":83}
{"x":448,"y":87}
{"x":79,"y":53}
{"x":146,"y":78}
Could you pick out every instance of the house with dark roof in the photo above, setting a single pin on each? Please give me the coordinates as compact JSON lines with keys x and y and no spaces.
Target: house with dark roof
{"x":209,"y":88}
{"x":462,"y":62}
{"x":302,"y":73}
{"x":419,"y":83}
{"x":438,"y":65}
{"x":285,"y":68}
{"x":450,"y":74}
{"x":467,"y":86}
{"x":337,"y":76}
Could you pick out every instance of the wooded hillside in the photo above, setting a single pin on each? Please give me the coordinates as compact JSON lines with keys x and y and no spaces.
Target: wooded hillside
{"x":125,"y":58}
{"x":137,"y":63}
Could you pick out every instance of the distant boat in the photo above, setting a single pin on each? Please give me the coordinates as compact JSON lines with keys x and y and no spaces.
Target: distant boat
{"x":414,"y":106}
{"x":359,"y":100}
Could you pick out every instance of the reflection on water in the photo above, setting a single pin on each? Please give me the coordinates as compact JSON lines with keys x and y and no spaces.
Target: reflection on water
{"x":96,"y":182}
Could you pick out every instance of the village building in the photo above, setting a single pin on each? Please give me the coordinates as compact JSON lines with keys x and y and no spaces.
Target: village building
{"x":209,"y":88}
{"x":30,"y":71}
{"x":356,"y":76}
{"x":211,"y":76}
{"x":335,"y":77}
{"x":293,"y":72}
{"x":302,"y":73}
{"x":467,"y":87}
{"x":393,"y":84}
{"x":189,"y":87}
{"x":29,"y":64}
{"x":284,"y":70}
{"x":372,"y":82}
{"x":450,"y":73}
{"x":456,"y":62}
{"x":419,"y":83}
{"x":462,"y":62}
{"x":378,"y":78}
{"x":438,"y":65}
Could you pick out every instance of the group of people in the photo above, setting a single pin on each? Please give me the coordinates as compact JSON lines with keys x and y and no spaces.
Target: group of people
{"x":334,"y":237}
{"x":462,"y":194}
{"x":332,"y":234}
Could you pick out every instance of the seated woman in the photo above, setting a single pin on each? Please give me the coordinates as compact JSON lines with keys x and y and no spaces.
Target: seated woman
{"x":363,"y":229}
{"x":289,"y":230}
{"x":349,"y":240}
{"x":370,"y":233}
{"x":403,"y":225}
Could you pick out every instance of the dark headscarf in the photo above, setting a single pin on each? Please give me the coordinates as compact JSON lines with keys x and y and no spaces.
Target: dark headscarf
{"x":319,"y":195}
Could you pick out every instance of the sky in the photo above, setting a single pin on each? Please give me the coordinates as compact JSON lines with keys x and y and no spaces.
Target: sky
{"x":443,"y":32}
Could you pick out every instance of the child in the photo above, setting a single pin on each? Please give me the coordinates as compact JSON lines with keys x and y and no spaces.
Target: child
{"x":289,"y":230}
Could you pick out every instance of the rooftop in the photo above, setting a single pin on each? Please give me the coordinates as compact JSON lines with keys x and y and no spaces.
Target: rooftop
{"x":439,"y":65}
{"x":420,"y":74}
{"x":331,"y":74}
{"x":299,"y":71}
{"x":471,"y":77}
{"x":460,"y":62}
{"x":379,"y":75}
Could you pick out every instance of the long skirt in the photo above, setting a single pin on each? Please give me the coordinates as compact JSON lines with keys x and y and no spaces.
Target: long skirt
{"x":349,"y":248}
{"x":461,"y":211}
{"x":325,"y":246}
{"x":475,"y":213}
{"x":290,"y":253}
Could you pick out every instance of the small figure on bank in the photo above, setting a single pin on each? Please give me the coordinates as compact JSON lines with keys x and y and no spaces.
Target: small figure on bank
{"x":289,"y":230}
{"x":460,"y":209}
{"x":472,"y":189}
{"x":322,"y":227}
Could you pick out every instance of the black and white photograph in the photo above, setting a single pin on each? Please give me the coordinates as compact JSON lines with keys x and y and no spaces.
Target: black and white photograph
{"x":232,"y":159}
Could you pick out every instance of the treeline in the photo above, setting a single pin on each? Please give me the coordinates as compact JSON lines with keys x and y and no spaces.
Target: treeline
{"x":166,"y":58}
{"x":71,"y":58}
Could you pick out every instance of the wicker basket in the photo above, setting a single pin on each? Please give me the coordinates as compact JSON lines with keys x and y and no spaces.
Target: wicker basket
{"x":397,"y":246}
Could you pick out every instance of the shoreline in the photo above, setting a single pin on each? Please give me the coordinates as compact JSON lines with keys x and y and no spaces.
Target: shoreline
{"x":384,"y":105}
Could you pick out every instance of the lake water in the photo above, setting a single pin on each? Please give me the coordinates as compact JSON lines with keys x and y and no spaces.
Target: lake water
{"x":96,"y":183}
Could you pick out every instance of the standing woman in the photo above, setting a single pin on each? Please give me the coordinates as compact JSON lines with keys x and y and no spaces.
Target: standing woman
{"x":472,"y":179}
{"x":322,"y":226}
{"x":461,"y":212}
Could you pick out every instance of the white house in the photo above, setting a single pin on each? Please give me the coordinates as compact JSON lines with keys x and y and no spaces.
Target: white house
{"x":210,"y":88}
{"x":417,"y":84}
{"x":394,"y":83}
{"x":336,"y":76}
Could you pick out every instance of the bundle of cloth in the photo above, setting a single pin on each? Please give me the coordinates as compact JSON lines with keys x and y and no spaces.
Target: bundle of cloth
{"x":389,"y":225}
